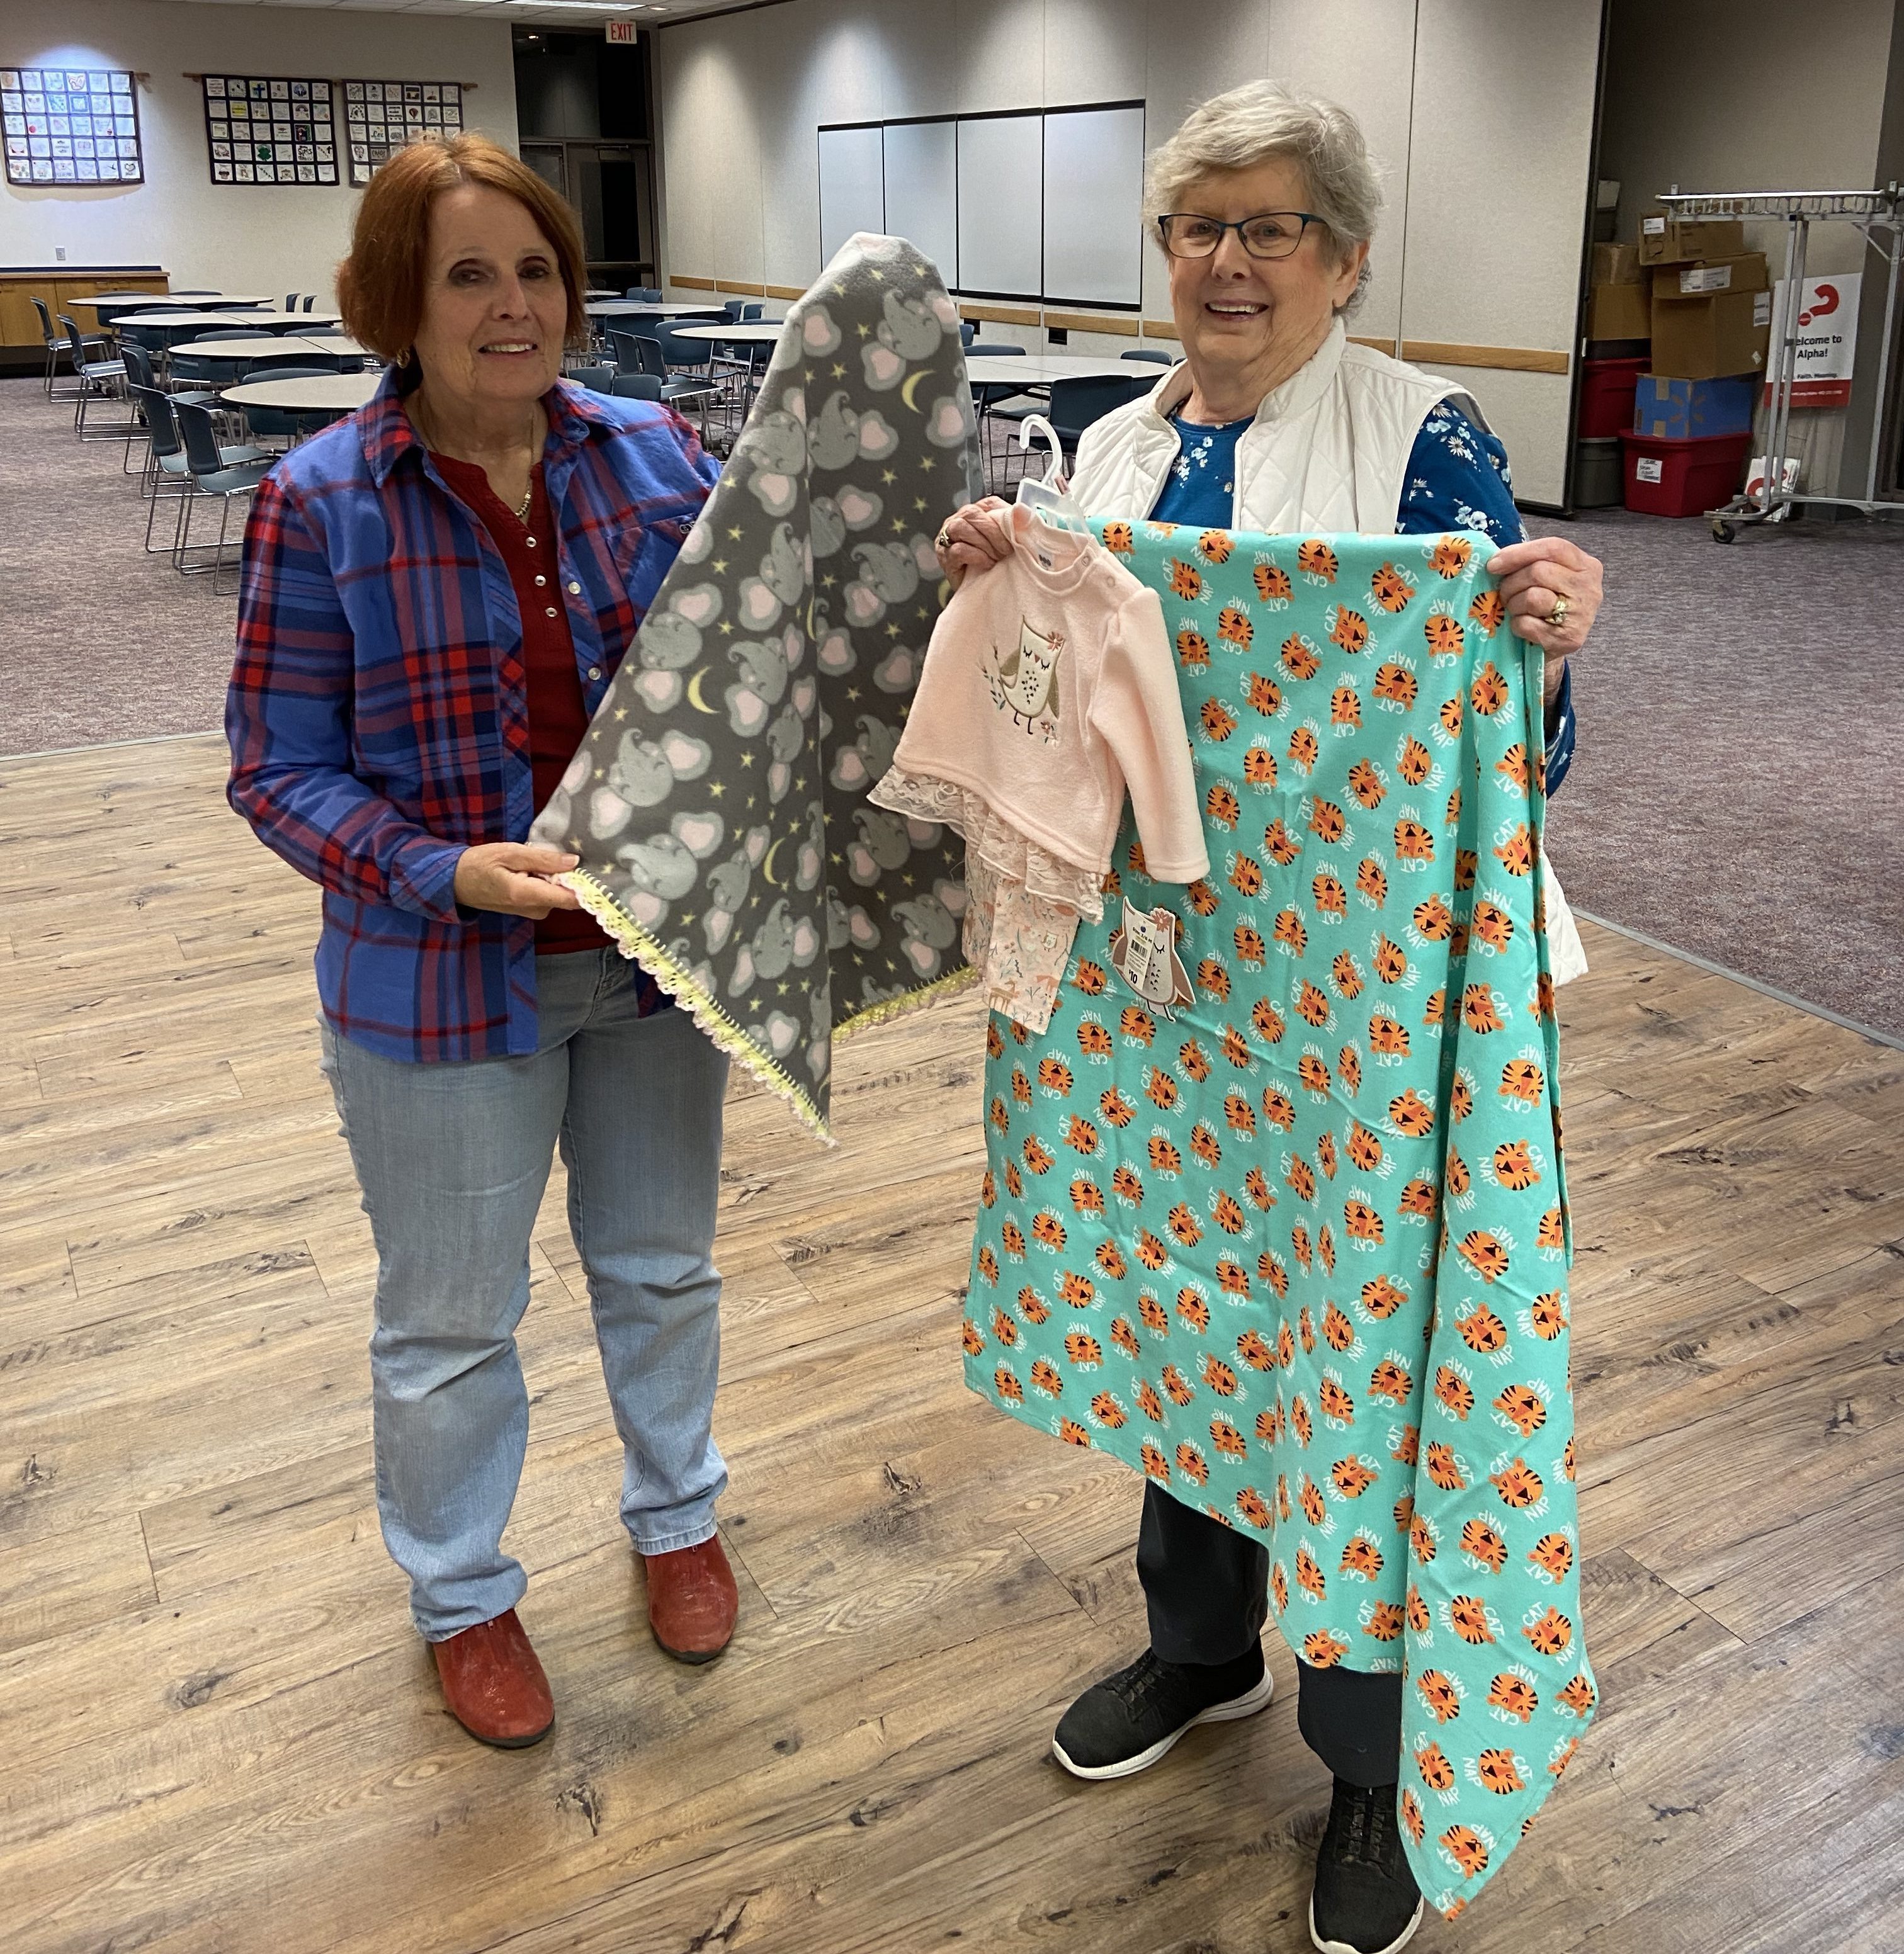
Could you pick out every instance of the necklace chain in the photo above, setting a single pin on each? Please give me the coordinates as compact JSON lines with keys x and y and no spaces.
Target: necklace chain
{"x":430,"y":441}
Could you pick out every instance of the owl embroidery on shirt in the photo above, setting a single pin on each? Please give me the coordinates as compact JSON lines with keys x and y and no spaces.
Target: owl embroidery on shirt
{"x":1023,"y":682}
{"x":1143,"y":952}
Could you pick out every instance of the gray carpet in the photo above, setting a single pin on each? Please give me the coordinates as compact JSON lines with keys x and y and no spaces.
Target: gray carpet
{"x":1735,"y":794}
{"x":1737,"y":790}
{"x":98,"y":642}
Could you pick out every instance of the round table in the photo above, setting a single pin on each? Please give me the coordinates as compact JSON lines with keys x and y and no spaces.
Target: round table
{"x":265,"y":321}
{"x":620,"y":308}
{"x":290,"y":345}
{"x":315,"y":393}
{"x":753,"y":332}
{"x":179,"y":301}
{"x":1040,"y":369}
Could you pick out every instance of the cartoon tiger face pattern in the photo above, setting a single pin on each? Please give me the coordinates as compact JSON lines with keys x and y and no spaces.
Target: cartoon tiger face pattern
{"x":1297,"y":1250}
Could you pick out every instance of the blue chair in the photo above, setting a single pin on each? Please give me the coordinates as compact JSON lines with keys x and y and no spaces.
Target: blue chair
{"x":1076,"y":404}
{"x":212,"y":475}
{"x":652,"y":293}
{"x":1155,"y":354}
{"x":595,"y":379}
{"x":732,"y":309}
{"x":968,"y":331}
{"x":139,"y":373}
{"x":99,"y":380}
{"x":55,"y":345}
{"x":636,"y":386}
{"x":169,"y":469}
{"x":650,"y":359}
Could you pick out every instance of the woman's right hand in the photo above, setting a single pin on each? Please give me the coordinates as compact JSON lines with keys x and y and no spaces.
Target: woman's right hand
{"x":966,"y":541}
{"x":511,"y":878}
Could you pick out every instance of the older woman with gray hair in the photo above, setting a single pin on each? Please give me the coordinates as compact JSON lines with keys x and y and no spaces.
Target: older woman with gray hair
{"x":1264,"y":202}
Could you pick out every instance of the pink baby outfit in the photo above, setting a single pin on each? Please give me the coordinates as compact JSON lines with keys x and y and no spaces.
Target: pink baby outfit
{"x":1048,"y":688}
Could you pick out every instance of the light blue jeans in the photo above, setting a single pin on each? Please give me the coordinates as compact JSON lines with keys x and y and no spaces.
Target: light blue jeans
{"x":452,"y":1160}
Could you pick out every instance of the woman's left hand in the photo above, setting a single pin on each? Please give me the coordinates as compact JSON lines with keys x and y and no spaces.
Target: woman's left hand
{"x":1536,"y":575}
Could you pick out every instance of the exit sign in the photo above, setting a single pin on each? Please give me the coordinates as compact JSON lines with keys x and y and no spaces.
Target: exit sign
{"x":620,"y":33}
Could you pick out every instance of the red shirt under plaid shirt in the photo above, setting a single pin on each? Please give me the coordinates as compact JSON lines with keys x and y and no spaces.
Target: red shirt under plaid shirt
{"x":378,"y":714}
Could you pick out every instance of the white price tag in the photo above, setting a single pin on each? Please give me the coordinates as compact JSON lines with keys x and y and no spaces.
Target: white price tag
{"x":1648,"y":468}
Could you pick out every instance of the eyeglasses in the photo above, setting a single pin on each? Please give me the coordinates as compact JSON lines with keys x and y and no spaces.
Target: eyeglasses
{"x":1276,"y":233}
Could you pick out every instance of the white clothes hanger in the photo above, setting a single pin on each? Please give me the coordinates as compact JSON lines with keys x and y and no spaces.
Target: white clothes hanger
{"x":1045,"y":496}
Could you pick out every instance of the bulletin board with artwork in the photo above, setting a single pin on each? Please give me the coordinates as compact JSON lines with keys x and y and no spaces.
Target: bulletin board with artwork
{"x":70,"y":126}
{"x":380,"y":117}
{"x":270,"y":129}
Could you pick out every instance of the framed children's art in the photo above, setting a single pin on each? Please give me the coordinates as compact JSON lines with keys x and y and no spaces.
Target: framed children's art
{"x":380,"y":117}
{"x":76,"y":126}
{"x":266,"y":129}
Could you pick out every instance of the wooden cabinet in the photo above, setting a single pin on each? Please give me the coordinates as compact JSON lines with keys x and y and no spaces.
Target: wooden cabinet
{"x":20,"y":335}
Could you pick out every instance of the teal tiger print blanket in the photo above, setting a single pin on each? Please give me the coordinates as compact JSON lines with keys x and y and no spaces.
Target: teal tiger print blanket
{"x":1275,"y":1211}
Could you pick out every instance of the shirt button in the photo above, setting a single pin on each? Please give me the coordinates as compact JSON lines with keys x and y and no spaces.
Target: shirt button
{"x":530,"y":540}
{"x":549,"y":612}
{"x":594,"y":671}
{"x":575,"y":590}
{"x":540,"y":581}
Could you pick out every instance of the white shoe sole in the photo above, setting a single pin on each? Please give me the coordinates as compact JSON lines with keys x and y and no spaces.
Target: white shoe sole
{"x":1400,"y":1941}
{"x":1245,"y":1705}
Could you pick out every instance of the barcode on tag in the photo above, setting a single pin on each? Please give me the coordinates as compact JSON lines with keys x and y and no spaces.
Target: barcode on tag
{"x":1706,"y":279}
{"x":1652,"y":227}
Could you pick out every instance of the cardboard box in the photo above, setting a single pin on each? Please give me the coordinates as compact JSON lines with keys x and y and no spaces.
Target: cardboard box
{"x":1718,"y":333}
{"x":1681,"y":240}
{"x":1619,"y":311}
{"x":1693,"y":410}
{"x":1617,"y":264}
{"x":1744,"y":273}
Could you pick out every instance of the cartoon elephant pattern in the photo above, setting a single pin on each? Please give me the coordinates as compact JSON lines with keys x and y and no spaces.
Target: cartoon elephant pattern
{"x":719,"y":801}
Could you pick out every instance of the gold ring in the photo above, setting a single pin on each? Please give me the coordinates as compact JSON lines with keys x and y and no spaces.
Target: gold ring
{"x":1558,"y":615}
{"x":943,"y":540}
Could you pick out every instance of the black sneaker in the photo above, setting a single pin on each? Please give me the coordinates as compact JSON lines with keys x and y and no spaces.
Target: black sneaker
{"x":1365,"y":1900}
{"x":1125,"y":1723}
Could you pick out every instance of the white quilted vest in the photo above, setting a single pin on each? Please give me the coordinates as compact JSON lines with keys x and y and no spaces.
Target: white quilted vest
{"x":1327,"y":451}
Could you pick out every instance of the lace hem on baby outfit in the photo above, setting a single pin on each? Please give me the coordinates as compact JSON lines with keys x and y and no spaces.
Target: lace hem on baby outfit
{"x":992,"y":840}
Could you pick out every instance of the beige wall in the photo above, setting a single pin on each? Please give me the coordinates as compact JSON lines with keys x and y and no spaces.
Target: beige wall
{"x":1742,"y":94}
{"x":273,"y":241}
{"x":742,"y":96}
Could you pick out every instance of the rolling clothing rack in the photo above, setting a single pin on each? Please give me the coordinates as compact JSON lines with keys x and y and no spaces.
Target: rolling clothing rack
{"x":1875,"y":212}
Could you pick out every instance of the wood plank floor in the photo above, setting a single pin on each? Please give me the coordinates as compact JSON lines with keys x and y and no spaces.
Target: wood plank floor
{"x":220,"y":1734}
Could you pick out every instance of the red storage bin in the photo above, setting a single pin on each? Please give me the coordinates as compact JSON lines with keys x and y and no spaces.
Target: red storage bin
{"x":1607,"y":389}
{"x":1665,"y":477}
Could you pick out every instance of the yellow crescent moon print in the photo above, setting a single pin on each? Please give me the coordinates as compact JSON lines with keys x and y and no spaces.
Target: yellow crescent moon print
{"x":694,"y":698}
{"x":767,"y":863}
{"x":912,"y":381}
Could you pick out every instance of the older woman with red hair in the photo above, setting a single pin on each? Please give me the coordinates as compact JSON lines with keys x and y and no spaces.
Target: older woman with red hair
{"x":436,"y":593}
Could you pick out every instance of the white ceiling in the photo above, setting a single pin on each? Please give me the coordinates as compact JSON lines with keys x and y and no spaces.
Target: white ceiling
{"x":571,"y":14}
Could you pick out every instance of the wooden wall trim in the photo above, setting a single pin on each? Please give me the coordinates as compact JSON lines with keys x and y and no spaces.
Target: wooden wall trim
{"x":755,"y":291}
{"x":1504,"y":359}
{"x":1001,"y":315}
{"x":1160,"y":328}
{"x":692,"y":284}
{"x":1122,"y":325}
{"x":784,"y":291}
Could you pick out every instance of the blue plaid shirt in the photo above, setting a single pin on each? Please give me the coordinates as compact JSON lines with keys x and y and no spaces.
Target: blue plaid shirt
{"x":378,"y":711}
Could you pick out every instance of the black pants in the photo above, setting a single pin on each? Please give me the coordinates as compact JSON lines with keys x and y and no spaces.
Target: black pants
{"x":1207,"y":1587}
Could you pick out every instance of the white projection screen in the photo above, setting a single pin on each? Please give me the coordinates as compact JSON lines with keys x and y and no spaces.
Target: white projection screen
{"x":921,"y":190}
{"x":1001,"y":168}
{"x":1094,"y":190}
{"x":851,"y":186}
